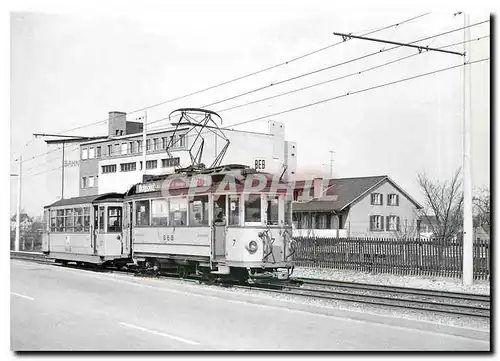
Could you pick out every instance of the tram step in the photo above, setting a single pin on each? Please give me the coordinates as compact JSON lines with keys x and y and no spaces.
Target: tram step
{"x":222,"y":270}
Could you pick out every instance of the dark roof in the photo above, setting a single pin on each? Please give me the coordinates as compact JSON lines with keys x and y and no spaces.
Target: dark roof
{"x":86,"y":199}
{"x":346,"y":191}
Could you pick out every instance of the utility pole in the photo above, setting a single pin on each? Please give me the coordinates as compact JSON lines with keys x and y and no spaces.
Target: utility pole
{"x":18,"y":216}
{"x":62,"y":172}
{"x":144,"y":141}
{"x":467,"y":277}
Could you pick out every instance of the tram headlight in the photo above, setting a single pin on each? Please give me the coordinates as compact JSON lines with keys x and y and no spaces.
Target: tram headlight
{"x":252,"y":247}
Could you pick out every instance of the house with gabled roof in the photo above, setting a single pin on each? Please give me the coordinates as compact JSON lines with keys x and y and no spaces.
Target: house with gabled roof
{"x":354,"y":207}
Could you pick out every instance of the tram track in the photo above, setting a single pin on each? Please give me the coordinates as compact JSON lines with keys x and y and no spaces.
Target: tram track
{"x":452,"y":303}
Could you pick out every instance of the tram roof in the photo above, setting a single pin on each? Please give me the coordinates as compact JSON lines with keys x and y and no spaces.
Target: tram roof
{"x":87,"y":199}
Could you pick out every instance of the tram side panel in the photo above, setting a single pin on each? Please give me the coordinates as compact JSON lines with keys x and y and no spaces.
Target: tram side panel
{"x":163,"y":242}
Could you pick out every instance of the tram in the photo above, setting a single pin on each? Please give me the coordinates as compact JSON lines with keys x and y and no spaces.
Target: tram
{"x":86,"y":230}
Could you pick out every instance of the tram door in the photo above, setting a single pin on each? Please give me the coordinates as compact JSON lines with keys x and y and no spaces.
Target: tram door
{"x":219,"y":230}
{"x":95,"y":230}
{"x":127,"y":231}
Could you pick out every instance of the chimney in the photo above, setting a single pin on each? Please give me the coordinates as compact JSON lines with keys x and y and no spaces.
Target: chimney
{"x":116,"y":124}
{"x":317,"y":187}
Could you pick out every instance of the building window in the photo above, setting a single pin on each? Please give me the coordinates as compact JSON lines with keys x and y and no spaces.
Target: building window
{"x":139,"y":146}
{"x":98,"y":152}
{"x":376,"y":199}
{"x":92,"y":153}
{"x":117,"y":149}
{"x":151,"y":164}
{"x":172,"y":141}
{"x":376,"y":223}
{"x":252,"y":208}
{"x":96,"y":178}
{"x":85,"y":153}
{"x":170,"y":162}
{"x":393,"y":200}
{"x":156,"y":144}
{"x":392,"y":223}
{"x":91,"y":181}
{"x":148,"y":144}
{"x":182,"y":140}
{"x":128,"y":167}
{"x":109,"y":168}
{"x":84,"y":182}
{"x":164,"y":142}
{"x":130,"y":149}
{"x":124,"y":148}
{"x":110,"y":149}
{"x":142,"y":216}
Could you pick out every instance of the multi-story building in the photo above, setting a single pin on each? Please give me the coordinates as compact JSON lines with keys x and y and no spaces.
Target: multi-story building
{"x":115,"y":162}
{"x":354,"y":207}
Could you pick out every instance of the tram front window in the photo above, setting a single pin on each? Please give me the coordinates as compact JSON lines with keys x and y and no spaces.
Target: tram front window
{"x":114,"y":219}
{"x":252,"y":208}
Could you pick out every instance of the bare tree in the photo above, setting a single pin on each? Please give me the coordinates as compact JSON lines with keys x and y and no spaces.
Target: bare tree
{"x":482,"y":208}
{"x":444,"y":201}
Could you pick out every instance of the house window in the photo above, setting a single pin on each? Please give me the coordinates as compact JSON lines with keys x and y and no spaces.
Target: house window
{"x":151,"y":164}
{"x":84,"y":182}
{"x":85,"y":153}
{"x":376,"y":199}
{"x":148,"y":144}
{"x":182,"y":140}
{"x":130,"y":149}
{"x":393,"y":200}
{"x":321,"y":221}
{"x":91,"y":181}
{"x":110,"y":149}
{"x":92,"y":153}
{"x":170,"y":162}
{"x":156,"y":144}
{"x":117,"y":149}
{"x":376,"y":223}
{"x":164,"y":142}
{"x":109,"y":168}
{"x":128,"y":167}
{"x":124,"y":148}
{"x":98,"y":152}
{"x":139,"y":146}
{"x":392,"y":223}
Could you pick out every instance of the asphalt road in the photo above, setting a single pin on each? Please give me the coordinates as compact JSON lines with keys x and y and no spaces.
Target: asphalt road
{"x":56,"y":308}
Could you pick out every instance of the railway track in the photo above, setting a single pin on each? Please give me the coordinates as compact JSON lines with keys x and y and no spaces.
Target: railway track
{"x":453,"y":303}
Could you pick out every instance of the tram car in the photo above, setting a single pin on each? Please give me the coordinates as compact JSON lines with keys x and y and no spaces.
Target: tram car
{"x":86,"y":230}
{"x":227,"y":221}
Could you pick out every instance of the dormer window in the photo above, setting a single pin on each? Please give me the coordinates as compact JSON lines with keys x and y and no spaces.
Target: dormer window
{"x":376,"y":199}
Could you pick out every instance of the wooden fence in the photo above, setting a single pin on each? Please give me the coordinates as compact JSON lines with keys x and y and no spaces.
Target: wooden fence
{"x":383,"y":255}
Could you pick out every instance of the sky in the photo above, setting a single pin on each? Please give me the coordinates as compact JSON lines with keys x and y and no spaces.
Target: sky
{"x":69,"y":68}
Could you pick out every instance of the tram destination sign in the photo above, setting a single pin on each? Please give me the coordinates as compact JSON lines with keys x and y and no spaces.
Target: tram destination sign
{"x":174,"y":183}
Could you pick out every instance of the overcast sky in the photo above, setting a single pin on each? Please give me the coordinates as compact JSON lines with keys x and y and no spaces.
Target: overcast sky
{"x":70,"y":69}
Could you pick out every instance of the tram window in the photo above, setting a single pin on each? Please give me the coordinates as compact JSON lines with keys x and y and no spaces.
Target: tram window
{"x":178,"y":212}
{"x":101,"y":219}
{"x":159,"y":212}
{"x":114,"y":219}
{"x":219,"y":208}
{"x":78,"y":219}
{"x":53,"y":221}
{"x":198,"y":211}
{"x":60,"y":221}
{"x":142,"y":208}
{"x":272,"y":211}
{"x":68,"y":220}
{"x":252,"y":208}
{"x":86,"y":219}
{"x":234,"y":210}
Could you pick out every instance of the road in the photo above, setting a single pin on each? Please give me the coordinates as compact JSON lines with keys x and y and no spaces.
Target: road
{"x":55,"y":308}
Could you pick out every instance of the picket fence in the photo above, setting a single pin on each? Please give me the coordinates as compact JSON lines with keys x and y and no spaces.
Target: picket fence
{"x":397,"y":256}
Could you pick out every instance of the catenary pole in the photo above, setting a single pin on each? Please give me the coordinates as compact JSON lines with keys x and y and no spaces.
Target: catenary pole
{"x":467,"y":277}
{"x":144,"y":143}
{"x":18,"y":216}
